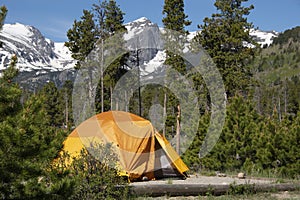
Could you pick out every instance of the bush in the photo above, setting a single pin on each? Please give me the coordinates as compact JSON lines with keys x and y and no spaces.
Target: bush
{"x":96,"y":175}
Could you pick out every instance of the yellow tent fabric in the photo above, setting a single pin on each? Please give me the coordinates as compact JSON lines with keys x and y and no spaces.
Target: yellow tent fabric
{"x":141,"y":150}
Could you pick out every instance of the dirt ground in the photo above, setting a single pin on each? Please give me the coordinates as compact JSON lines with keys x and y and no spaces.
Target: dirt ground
{"x":209,"y":180}
{"x":214,"y":180}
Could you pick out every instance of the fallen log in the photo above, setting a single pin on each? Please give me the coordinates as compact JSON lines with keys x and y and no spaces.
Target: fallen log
{"x":203,"y":189}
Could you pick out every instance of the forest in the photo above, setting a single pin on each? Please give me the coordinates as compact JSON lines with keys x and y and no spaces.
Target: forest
{"x":261,"y":132}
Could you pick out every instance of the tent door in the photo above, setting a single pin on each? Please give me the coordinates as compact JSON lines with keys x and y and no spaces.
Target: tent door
{"x":163,"y":165}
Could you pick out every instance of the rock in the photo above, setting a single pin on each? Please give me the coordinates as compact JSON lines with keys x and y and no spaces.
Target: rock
{"x":219,"y":174}
{"x":241,"y":175}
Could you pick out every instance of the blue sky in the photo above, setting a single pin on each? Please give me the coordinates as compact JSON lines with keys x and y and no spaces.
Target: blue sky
{"x":54,"y":17}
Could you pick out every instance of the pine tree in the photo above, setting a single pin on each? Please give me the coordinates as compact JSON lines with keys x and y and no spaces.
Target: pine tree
{"x":99,"y":11}
{"x":10,"y":91}
{"x":3,"y":12}
{"x":174,"y":22}
{"x":28,"y":144}
{"x":291,"y":136}
{"x":112,"y":32}
{"x":225,"y":36}
{"x":65,"y":105}
{"x":52,"y":104}
{"x":114,"y":18}
{"x":82,"y":37}
{"x":99,"y":31}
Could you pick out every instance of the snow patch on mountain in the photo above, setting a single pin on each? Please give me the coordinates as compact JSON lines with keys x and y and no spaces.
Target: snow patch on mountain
{"x":263,"y":37}
{"x":154,"y":64}
{"x":191,"y":35}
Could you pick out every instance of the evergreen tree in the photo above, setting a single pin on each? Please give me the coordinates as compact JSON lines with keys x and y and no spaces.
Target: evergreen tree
{"x":113,"y":18}
{"x":113,"y":28}
{"x":10,"y":91}
{"x":3,"y":12}
{"x":52,"y":104}
{"x":287,"y":36}
{"x":191,"y":156}
{"x":225,"y":36}
{"x":28,"y":144}
{"x":82,"y":37}
{"x":291,"y":159}
{"x":99,"y":11}
{"x":175,"y":21}
{"x":104,"y":21}
{"x":65,"y":104}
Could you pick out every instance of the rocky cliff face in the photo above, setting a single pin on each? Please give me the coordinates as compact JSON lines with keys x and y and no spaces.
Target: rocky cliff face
{"x":145,"y":37}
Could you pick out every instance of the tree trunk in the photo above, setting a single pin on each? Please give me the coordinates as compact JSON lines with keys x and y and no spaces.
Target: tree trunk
{"x":285,"y":98}
{"x":126,"y":101}
{"x":111,"y":95}
{"x":178,"y":131}
{"x":165,"y":114}
{"x":66,"y":110}
{"x":101,"y":74}
{"x":279,"y":109}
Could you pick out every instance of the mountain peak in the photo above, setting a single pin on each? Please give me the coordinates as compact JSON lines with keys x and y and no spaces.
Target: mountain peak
{"x":137,"y":26}
{"x":17,"y":30}
{"x":142,"y":19}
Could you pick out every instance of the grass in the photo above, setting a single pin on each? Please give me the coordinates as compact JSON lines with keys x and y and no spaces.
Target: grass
{"x":169,"y":181}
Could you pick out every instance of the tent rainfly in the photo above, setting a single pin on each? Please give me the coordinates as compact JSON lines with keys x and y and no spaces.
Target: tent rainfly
{"x":140,"y":149}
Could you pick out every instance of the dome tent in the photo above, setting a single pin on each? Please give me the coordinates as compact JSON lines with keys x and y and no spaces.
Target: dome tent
{"x":141,"y":150}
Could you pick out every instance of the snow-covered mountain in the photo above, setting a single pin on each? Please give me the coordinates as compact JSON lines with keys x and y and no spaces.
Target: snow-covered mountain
{"x":41,"y":60}
{"x":33,"y":50}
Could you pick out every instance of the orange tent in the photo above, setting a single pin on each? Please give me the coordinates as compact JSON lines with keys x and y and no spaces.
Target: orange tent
{"x":141,"y":150}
